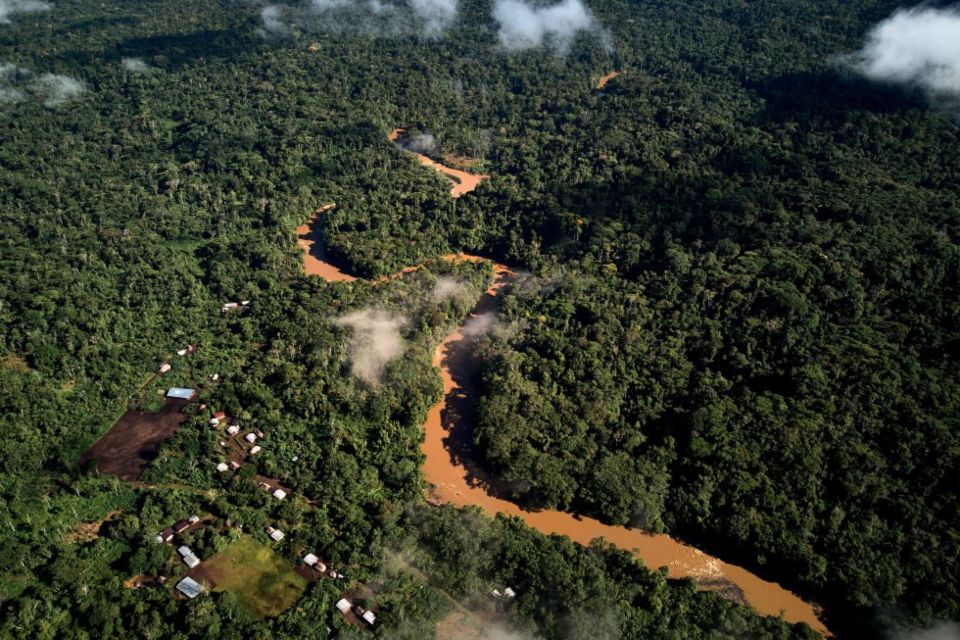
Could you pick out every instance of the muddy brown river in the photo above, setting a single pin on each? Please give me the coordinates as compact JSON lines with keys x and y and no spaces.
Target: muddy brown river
{"x":314,"y":257}
{"x":455,"y":477}
{"x":463,"y":181}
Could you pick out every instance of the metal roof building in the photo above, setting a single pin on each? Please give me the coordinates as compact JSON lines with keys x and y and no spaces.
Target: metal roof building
{"x":181,"y":393}
{"x":189,"y":587}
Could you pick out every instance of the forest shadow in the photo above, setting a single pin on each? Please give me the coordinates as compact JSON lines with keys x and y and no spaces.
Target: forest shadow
{"x":829,"y":96}
{"x":172,"y":51}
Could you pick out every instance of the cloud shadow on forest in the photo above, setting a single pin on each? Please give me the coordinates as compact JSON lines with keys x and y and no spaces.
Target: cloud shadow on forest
{"x":170,"y":51}
{"x":830,"y":96}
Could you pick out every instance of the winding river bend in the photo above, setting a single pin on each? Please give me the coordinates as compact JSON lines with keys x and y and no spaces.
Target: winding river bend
{"x":463,"y":181}
{"x":457,"y":478}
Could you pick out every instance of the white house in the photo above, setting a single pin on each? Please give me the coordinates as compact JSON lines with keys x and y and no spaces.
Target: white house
{"x":279,"y":494}
{"x":343,"y":605}
{"x":184,"y":550}
{"x":223,"y":466}
{"x":233,"y":429}
{"x":310,"y":559}
{"x":369,"y":617}
{"x":250,"y":437}
{"x":255,"y":450}
{"x":191,"y":560}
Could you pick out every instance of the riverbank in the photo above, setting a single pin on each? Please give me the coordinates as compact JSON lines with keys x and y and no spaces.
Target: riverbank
{"x":456,"y":477}
{"x":463,"y":181}
{"x":314,"y":256}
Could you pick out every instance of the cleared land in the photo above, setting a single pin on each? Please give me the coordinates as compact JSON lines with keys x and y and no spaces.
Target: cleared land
{"x":130,"y":445}
{"x":264,"y":583}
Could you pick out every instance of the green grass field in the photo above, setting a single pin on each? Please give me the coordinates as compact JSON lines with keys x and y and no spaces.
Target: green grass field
{"x":263,"y":582}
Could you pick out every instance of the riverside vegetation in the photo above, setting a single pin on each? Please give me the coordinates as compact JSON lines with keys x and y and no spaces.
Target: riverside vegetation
{"x":740,"y":324}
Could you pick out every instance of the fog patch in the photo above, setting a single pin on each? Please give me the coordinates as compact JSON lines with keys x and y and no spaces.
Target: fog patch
{"x":915,"y":47}
{"x":135,"y":65}
{"x":273,"y":20}
{"x":10,"y":8}
{"x":18,"y":84}
{"x":479,"y":325}
{"x":942,"y":631}
{"x":374,"y":343}
{"x":447,"y":288}
{"x":526,"y":26}
{"x":499,"y":632}
{"x":429,"y":19}
{"x":425,"y":143}
{"x":55,"y":89}
{"x":10,"y":75}
{"x":436,"y":16}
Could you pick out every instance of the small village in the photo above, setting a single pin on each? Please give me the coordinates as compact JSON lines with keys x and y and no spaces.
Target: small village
{"x":246,"y":561}
{"x":237,"y":446}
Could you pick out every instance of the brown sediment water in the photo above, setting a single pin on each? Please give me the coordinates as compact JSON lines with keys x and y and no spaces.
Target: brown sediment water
{"x":607,"y":78}
{"x":463,"y":181}
{"x":455,"y":476}
{"x":314,"y":257}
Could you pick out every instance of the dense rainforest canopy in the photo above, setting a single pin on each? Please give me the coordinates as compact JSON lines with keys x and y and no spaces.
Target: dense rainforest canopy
{"x":739,"y":319}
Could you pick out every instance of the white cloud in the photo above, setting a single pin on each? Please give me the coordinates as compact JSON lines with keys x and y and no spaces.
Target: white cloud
{"x":10,"y":76}
{"x":915,"y":47}
{"x":524,"y":26}
{"x":273,"y":20}
{"x":425,"y":18}
{"x":18,"y":84}
{"x":56,"y":89}
{"x":435,"y":16}
{"x":9,"y":95}
{"x":375,"y":342}
{"x":447,"y":288}
{"x":135,"y":65}
{"x":12,"y":7}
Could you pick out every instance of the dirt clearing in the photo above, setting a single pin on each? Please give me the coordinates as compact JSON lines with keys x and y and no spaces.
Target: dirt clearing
{"x":132,"y":443}
{"x":264,"y":583}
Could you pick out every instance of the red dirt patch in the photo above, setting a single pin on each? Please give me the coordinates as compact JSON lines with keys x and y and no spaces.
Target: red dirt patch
{"x":308,"y":573}
{"x":208,"y":573}
{"x":132,"y":443}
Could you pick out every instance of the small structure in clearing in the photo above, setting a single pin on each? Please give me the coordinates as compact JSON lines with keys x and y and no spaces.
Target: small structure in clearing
{"x":190,"y":587}
{"x":275,"y":534}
